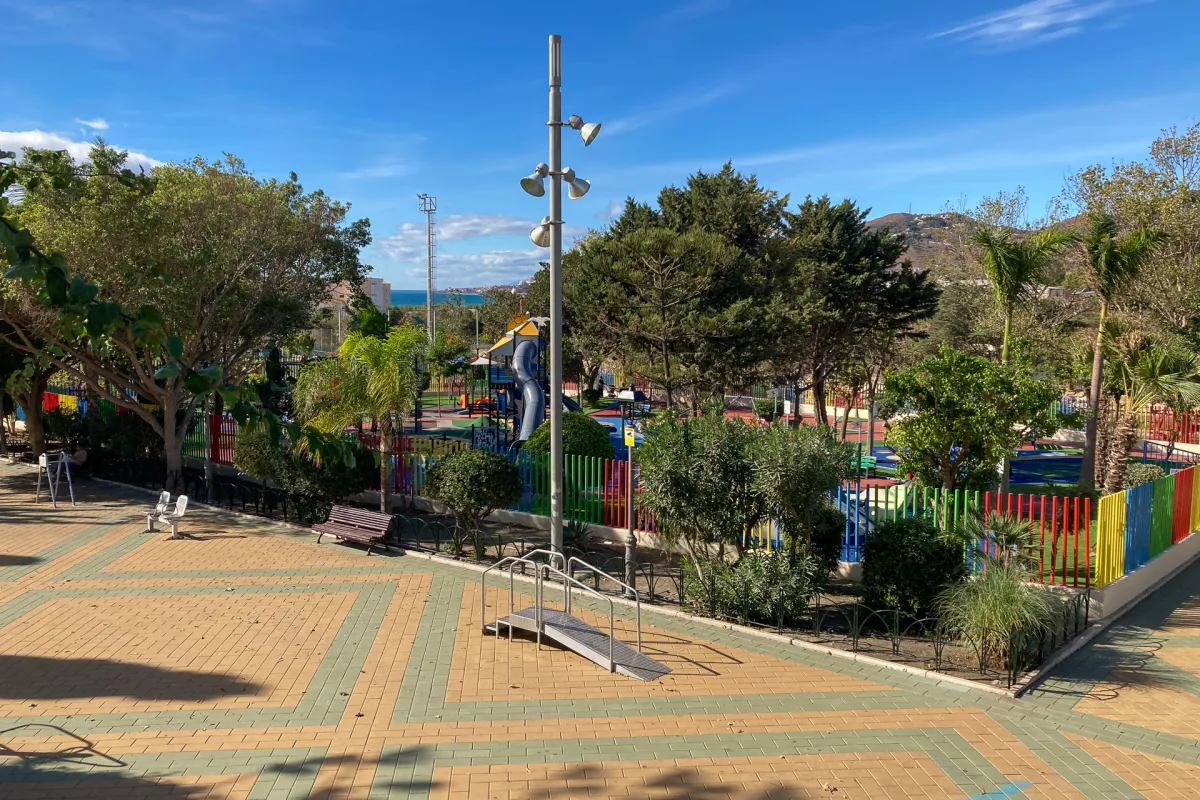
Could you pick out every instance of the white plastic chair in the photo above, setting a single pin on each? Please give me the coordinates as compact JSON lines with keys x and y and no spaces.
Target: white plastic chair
{"x":160,"y":508}
{"x":172,"y":518}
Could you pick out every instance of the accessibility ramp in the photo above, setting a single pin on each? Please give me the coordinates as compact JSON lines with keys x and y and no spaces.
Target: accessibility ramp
{"x":563,"y":628}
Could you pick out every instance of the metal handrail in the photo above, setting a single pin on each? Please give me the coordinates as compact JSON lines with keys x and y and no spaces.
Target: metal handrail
{"x":538,"y":595}
{"x":612,"y":661}
{"x":637,"y":599}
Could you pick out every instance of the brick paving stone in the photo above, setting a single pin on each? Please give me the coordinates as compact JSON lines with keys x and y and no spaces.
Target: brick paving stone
{"x":249,"y":662}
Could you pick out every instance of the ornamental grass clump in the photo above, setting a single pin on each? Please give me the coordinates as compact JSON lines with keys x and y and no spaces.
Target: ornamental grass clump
{"x":988,"y":609}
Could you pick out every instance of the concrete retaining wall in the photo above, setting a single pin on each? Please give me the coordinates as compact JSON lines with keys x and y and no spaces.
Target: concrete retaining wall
{"x":1130,"y":589}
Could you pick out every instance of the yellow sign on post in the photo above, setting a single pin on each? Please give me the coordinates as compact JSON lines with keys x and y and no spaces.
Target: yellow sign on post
{"x":629,"y":440}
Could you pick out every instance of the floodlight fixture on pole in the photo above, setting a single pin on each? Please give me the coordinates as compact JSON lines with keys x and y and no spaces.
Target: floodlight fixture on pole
{"x":576,"y":187}
{"x":535,"y":184}
{"x":588,"y":131}
{"x":549,"y":233}
{"x":540,"y":235}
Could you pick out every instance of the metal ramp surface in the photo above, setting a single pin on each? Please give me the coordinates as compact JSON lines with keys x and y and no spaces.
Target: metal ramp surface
{"x":584,"y":639}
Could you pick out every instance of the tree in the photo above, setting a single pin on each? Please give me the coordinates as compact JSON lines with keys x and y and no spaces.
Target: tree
{"x":958,"y":415}
{"x":499,"y":307}
{"x":666,"y":281}
{"x":795,"y":470}
{"x":370,"y":377}
{"x":474,"y":483}
{"x":697,"y":478}
{"x":1158,"y":193}
{"x":1016,"y":267}
{"x":179,"y":276}
{"x":1113,"y":265}
{"x":836,"y":283}
{"x":1146,"y":370}
{"x":366,"y":318}
{"x":25,"y":376}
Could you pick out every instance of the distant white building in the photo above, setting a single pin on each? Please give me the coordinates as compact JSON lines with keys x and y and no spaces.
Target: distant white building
{"x":329,"y":336}
{"x":379,"y":290}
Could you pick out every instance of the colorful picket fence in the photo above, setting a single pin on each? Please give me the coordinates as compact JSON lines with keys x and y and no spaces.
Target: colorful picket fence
{"x":1138,"y":524}
{"x":1061,"y":553}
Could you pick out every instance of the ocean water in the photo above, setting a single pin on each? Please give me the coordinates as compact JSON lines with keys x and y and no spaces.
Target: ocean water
{"x":416,"y":297}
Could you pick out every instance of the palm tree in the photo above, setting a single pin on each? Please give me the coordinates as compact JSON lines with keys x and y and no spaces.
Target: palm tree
{"x":1114,"y":263}
{"x":370,"y":377}
{"x":1016,"y":267}
{"x":1145,"y":371}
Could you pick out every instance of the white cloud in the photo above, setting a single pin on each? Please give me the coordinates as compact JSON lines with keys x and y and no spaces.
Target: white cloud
{"x":612,"y":212}
{"x":44,"y":140}
{"x":387,"y":169}
{"x":97,"y":124}
{"x":1033,"y":22}
{"x":694,"y":9}
{"x":482,"y":269}
{"x":666,"y":110}
{"x":407,"y":245}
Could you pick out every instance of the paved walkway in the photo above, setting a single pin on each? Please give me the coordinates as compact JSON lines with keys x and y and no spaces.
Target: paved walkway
{"x":249,"y":662}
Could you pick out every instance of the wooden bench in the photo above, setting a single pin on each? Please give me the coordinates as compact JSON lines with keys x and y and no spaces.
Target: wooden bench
{"x":355,"y":525}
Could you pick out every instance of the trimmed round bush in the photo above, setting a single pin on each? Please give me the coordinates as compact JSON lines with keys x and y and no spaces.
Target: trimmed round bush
{"x":906,"y":563}
{"x":1137,"y":474}
{"x":473,"y":483}
{"x":582,"y":436}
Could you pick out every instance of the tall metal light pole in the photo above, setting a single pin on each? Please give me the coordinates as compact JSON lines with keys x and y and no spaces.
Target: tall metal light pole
{"x":556,"y":421}
{"x":429,"y":208}
{"x":549,"y":233}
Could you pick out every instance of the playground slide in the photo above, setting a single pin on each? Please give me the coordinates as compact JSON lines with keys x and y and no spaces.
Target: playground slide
{"x":571,"y":405}
{"x":533,"y":402}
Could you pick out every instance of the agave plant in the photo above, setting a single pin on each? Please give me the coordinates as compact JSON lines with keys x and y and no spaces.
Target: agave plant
{"x":1002,"y":541}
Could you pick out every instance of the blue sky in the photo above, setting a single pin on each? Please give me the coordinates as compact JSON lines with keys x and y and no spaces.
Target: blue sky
{"x":897,"y":105}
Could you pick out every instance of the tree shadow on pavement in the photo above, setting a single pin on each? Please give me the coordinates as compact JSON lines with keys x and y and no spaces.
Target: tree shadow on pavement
{"x":41,"y":678}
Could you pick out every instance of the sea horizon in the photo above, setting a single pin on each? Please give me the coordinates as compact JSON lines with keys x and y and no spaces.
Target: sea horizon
{"x":416,"y":297}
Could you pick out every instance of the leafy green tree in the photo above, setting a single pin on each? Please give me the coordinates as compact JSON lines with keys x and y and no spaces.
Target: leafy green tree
{"x":697,"y":477}
{"x":668,"y":305}
{"x":370,"y":377}
{"x":1146,"y":370}
{"x":582,"y":436}
{"x":499,"y":307}
{"x":1114,"y":263}
{"x":795,"y":470}
{"x":200,"y":265}
{"x":957,"y":416}
{"x":25,"y":375}
{"x":1157,"y":193}
{"x":1016,"y":267}
{"x":836,"y":283}
{"x":474,"y":483}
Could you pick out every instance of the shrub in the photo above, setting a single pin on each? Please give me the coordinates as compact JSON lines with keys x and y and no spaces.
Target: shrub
{"x":592,"y":397}
{"x":582,"y":436}
{"x":294,"y":471}
{"x":988,"y":609}
{"x":906,"y":562}
{"x":1135,"y":474}
{"x":63,"y":427}
{"x":755,"y":589}
{"x":829,"y":529}
{"x":473,"y":483}
{"x":766,"y":408}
